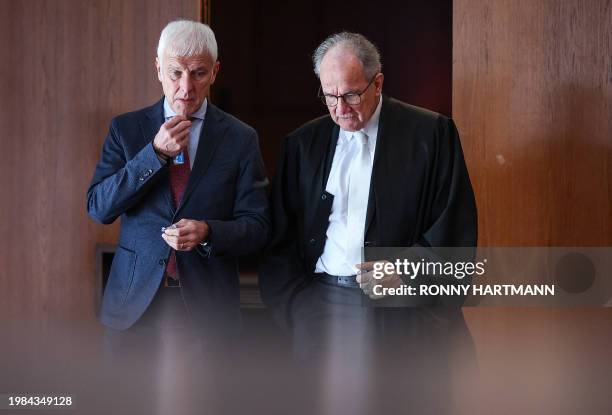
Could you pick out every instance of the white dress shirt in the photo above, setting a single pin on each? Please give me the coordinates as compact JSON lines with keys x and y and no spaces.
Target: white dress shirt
{"x":194,"y":130}
{"x":333,"y":260}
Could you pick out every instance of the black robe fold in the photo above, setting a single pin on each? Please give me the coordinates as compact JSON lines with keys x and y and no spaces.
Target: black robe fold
{"x":420,"y":194}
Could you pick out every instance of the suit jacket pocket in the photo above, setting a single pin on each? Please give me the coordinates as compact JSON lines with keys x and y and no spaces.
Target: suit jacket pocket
{"x":120,"y":278}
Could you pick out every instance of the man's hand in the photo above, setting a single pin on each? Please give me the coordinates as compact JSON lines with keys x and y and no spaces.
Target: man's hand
{"x":186,"y":234}
{"x":367,"y":281}
{"x":172,"y":137}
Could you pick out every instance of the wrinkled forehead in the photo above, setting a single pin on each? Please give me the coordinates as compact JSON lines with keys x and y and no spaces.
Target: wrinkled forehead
{"x":187,"y":62}
{"x":342,"y":69}
{"x":342,"y":80}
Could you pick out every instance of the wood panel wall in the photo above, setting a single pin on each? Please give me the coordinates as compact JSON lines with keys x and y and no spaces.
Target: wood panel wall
{"x":68,"y":67}
{"x":532,"y":98}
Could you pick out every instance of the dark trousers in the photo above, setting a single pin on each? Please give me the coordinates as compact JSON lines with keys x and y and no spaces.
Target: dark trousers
{"x":165,"y":319}
{"x":372,"y":358}
{"x":159,"y":363}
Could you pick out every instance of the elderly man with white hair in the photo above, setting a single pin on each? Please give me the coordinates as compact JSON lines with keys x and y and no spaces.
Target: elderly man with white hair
{"x":188,"y":182}
{"x":372,"y":173}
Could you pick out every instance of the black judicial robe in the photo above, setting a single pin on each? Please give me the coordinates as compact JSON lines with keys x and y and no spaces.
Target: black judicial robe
{"x":420,"y":195}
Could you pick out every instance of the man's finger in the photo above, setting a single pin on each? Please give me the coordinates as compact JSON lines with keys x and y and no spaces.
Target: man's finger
{"x":182,"y":140}
{"x":182,"y":223}
{"x":366,"y":286}
{"x":365,"y":277}
{"x":372,"y":294}
{"x":181,"y":228}
{"x":368,"y":266}
{"x":180,"y":127}
{"x":181,"y":136}
{"x":171,"y":239}
{"x":174,"y":121}
{"x":176,"y":143}
{"x":174,"y":232}
{"x":167,"y":240}
{"x":178,"y":232}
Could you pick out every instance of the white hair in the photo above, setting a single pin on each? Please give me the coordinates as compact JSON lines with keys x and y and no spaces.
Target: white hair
{"x":359,"y":45}
{"x":186,"y":38}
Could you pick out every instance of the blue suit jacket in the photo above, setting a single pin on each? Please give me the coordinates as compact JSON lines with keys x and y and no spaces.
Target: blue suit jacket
{"x":226,"y":188}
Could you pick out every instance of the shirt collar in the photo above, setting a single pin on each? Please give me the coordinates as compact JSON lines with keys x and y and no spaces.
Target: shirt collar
{"x":371,"y":127}
{"x":199,"y":114}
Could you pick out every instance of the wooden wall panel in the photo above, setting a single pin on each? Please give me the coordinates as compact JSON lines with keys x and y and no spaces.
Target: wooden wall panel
{"x":532,"y":98}
{"x":69,"y":66}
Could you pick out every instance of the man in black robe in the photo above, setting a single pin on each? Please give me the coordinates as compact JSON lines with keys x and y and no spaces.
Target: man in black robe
{"x":375,"y":172}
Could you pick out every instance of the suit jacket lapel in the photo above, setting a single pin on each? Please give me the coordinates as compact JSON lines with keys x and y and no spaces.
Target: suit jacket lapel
{"x":330,"y":151}
{"x":379,"y":168}
{"x":210,"y":137}
{"x":150,"y":125}
{"x":320,"y":155}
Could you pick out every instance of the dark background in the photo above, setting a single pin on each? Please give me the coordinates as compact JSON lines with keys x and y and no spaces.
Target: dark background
{"x":265,"y":49}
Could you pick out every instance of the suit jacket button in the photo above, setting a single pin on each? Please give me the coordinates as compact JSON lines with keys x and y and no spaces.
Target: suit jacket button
{"x":323,"y":197}
{"x":162,"y":262}
{"x":312,"y":241}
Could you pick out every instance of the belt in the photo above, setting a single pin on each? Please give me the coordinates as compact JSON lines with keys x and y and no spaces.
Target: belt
{"x":169,"y":282}
{"x":339,"y":280}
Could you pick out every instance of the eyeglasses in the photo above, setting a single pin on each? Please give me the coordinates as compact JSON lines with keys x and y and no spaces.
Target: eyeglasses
{"x":351,"y":98}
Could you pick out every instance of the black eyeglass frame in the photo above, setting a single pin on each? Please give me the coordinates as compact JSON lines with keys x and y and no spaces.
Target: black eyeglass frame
{"x":324,"y":97}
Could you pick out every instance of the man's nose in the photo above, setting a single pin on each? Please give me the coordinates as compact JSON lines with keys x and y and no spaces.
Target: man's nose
{"x":186,"y":83}
{"x":342,"y":107}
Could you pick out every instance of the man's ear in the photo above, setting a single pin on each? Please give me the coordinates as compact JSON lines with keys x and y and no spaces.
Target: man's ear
{"x":158,"y":67}
{"x":378,"y":83}
{"x":215,"y":71}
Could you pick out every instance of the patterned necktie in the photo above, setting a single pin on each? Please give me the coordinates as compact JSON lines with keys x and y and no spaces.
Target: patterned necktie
{"x":179,"y":176}
{"x":360,"y":173}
